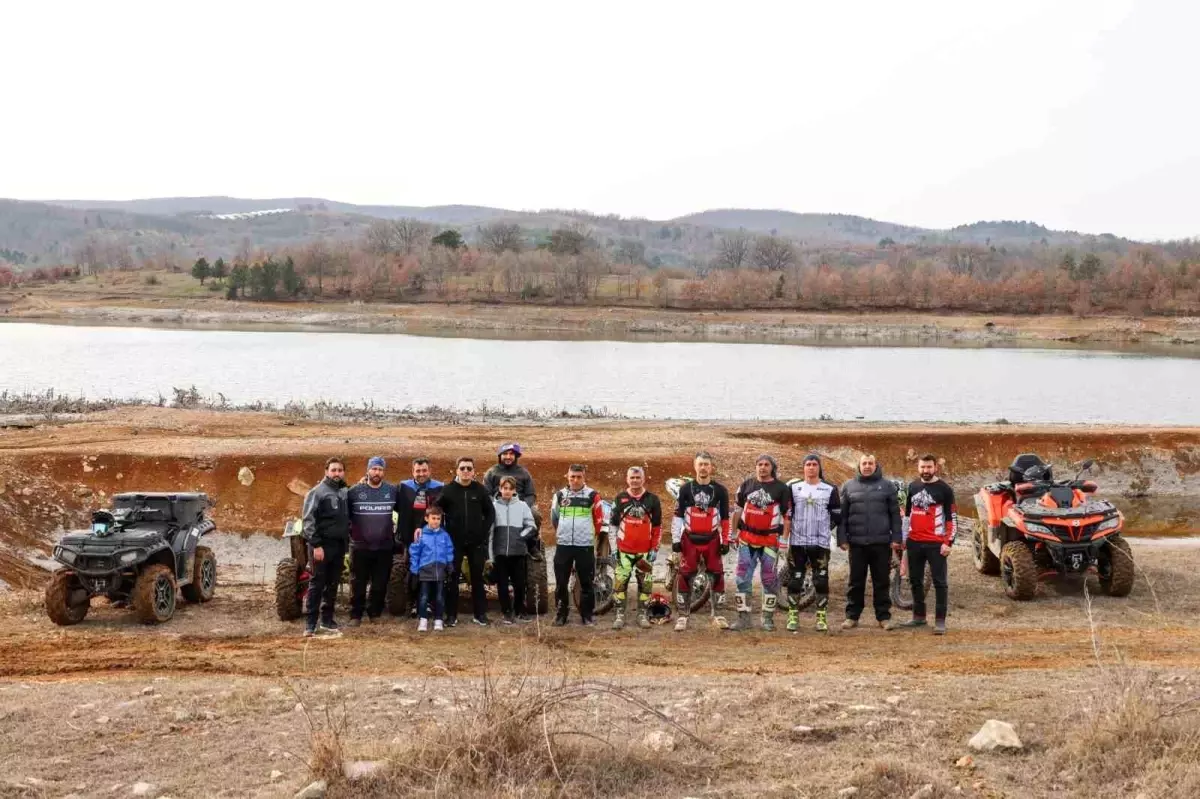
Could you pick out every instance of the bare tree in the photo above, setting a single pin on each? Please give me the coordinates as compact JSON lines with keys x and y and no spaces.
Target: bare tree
{"x":733,"y":251}
{"x":381,"y":238}
{"x":409,"y":233}
{"x":773,"y":253}
{"x":501,"y":236}
{"x":631,"y":251}
{"x":316,"y":260}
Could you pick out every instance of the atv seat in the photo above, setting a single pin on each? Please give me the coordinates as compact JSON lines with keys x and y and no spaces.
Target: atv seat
{"x":1023,"y":462}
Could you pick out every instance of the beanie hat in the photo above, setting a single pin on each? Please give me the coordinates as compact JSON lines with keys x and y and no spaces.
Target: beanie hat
{"x":377,"y":461}
{"x":770,"y":460}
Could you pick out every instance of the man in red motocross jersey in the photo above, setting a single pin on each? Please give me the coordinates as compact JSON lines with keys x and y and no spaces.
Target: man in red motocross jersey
{"x":700,"y":534}
{"x":931,"y":520}
{"x":764,"y":503}
{"x":637,"y":515}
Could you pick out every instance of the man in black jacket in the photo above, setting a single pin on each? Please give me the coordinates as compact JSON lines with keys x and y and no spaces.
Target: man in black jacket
{"x":469,"y":517}
{"x":327,"y":530}
{"x":870,"y":528}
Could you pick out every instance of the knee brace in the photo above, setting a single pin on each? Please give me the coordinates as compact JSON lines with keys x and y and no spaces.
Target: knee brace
{"x":796,"y":583}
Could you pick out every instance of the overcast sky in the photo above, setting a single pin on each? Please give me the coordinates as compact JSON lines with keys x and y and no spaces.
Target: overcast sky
{"x":1078,"y":115}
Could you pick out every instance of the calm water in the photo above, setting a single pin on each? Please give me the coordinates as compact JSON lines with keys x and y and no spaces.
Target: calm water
{"x":651,"y":379}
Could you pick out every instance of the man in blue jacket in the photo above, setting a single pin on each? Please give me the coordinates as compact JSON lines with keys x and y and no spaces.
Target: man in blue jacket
{"x":416,"y":496}
{"x":372,"y":540}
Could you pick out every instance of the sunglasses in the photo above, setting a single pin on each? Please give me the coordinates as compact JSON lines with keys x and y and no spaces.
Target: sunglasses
{"x":466,"y":468}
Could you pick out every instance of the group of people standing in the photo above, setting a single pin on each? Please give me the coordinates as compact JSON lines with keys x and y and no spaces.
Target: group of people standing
{"x":444,"y":525}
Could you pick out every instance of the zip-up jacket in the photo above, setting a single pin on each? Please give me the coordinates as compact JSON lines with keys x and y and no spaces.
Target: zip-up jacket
{"x":816,"y":511}
{"x":525,"y":488}
{"x":929,"y":513}
{"x":513,"y":527}
{"x":430,"y":558}
{"x":469,"y":512}
{"x":415,"y":499}
{"x":576,"y":517}
{"x":870,"y":511}
{"x":765,"y":508}
{"x":638,"y":521}
{"x":326,"y":513}
{"x":371,"y":524}
{"x":701,"y":512}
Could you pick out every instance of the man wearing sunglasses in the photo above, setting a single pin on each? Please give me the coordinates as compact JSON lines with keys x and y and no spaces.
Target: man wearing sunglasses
{"x":469,"y":517}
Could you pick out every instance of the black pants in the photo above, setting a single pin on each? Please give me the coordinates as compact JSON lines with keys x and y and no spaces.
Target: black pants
{"x":817,"y":559}
{"x":583,"y":558}
{"x":511,"y":569}
{"x":920,"y":553}
{"x":326,"y":575}
{"x":876,"y":559}
{"x":476,"y":555}
{"x":369,"y":568}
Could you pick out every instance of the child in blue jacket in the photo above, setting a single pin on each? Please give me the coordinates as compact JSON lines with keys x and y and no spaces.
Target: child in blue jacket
{"x":430,"y":558}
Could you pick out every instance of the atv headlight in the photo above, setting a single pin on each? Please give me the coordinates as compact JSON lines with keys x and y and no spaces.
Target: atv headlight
{"x":130,"y":556}
{"x":1034,"y":527}
{"x":1109,"y":524}
{"x":65,"y":555}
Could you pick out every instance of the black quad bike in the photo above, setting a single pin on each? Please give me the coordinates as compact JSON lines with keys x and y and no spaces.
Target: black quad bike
{"x":1032,"y":527}
{"x":138,"y":553}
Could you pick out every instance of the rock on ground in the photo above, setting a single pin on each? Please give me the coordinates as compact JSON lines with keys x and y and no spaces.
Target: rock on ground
{"x":995,"y":735}
{"x":659,"y":741}
{"x":314,"y":790}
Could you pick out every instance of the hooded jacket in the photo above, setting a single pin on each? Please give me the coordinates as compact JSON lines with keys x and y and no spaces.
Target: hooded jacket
{"x":326,"y":513}
{"x":513,"y":527}
{"x":870,"y":511}
{"x":525,"y":488}
{"x":431,"y":557}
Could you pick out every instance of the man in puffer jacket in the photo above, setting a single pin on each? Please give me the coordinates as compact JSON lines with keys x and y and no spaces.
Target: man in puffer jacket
{"x":511,"y":535}
{"x":870,"y":528}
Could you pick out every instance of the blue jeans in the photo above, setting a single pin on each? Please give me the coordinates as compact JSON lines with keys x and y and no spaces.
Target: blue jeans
{"x":430,"y":591}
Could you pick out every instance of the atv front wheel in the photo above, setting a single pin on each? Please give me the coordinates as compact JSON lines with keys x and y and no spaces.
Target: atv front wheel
{"x":398,"y":585}
{"x":289,"y":593}
{"x":154,"y":594}
{"x":204,"y":577}
{"x":67,"y":601}
{"x":1018,"y":572}
{"x":1116,"y":567}
{"x":537,"y":583}
{"x":985,"y":561}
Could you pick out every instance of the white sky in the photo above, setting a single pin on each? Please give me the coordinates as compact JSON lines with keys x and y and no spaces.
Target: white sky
{"x":1079,"y":115}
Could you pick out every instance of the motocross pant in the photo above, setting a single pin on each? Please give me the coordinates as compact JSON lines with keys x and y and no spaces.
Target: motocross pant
{"x":692,"y":555}
{"x":763,"y":558}
{"x":804,"y":558}
{"x":626,"y":567}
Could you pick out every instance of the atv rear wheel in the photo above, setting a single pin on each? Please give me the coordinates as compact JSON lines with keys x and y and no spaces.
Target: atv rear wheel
{"x":289,"y":593}
{"x":204,"y":577}
{"x":1018,"y":572}
{"x":537,"y":583}
{"x":398,"y":585}
{"x":1116,"y":567}
{"x":154,"y":594}
{"x":985,"y":561}
{"x":63,"y":604}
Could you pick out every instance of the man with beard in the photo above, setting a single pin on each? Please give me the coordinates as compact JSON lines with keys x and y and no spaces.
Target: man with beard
{"x":637,"y":515}
{"x":870,"y":529}
{"x":507,"y":466}
{"x":372,"y":540}
{"x":327,"y":529}
{"x":415,"y":497}
{"x":700,"y":535}
{"x":816,"y":512}
{"x":760,"y":516}
{"x":469,"y":516}
{"x":931,"y":519}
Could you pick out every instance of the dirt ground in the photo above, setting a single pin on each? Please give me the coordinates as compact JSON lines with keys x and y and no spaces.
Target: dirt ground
{"x":225,"y":700}
{"x":178,"y":300}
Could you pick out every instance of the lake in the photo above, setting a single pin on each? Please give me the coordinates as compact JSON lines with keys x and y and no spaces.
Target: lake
{"x":645,"y":379}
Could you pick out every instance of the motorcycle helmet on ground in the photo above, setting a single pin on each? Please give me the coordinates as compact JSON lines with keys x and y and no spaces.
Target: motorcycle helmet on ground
{"x":658,"y":609}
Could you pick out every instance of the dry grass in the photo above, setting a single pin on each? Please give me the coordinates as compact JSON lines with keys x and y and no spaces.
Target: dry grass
{"x":521,"y":736}
{"x":890,"y":778}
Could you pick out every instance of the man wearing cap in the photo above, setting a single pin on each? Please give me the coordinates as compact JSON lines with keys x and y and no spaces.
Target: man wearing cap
{"x":760,"y":516}
{"x":507,"y":457}
{"x":816,"y":511}
{"x":372,"y":539}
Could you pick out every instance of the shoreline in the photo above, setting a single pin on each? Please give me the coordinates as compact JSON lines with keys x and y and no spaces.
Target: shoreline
{"x":1155,"y":335}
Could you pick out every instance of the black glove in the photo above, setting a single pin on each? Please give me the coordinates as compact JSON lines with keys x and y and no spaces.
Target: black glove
{"x":723,"y":549}
{"x":676,"y":546}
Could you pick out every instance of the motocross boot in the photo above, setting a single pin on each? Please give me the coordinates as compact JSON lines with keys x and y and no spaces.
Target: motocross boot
{"x":822,"y":621}
{"x":768,"y":613}
{"x":793,"y":622}
{"x":619,"y":619}
{"x":718,"y":620}
{"x":681,"y":623}
{"x":642,"y":621}
{"x":743,"y":615}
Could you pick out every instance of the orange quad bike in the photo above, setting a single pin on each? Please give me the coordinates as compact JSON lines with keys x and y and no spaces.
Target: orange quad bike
{"x":1033,"y":527}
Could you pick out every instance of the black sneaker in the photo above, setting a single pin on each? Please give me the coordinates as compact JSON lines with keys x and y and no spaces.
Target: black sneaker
{"x":913,"y":623}
{"x":589,"y":622}
{"x":508,"y":619}
{"x":310,"y":630}
{"x":560,"y":621}
{"x":524,"y":618}
{"x":452,"y":621}
{"x":482,"y":621}
{"x":330,"y":626}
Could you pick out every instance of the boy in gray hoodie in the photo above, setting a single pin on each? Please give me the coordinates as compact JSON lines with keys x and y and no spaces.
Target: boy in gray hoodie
{"x":511,"y":535}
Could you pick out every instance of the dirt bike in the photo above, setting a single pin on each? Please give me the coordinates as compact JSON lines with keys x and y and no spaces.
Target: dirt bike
{"x":604,"y":583}
{"x":1032,"y":527}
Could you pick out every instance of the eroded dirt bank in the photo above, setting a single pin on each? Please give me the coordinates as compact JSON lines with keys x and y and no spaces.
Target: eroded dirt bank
{"x":51,"y":475}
